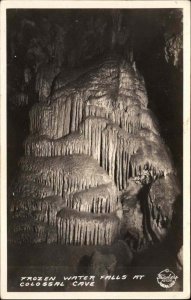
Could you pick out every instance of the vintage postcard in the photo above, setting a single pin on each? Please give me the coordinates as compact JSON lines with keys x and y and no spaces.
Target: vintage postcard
{"x":95,"y":149}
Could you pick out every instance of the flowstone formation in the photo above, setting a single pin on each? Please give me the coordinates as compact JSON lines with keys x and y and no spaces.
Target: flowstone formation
{"x":95,"y":167}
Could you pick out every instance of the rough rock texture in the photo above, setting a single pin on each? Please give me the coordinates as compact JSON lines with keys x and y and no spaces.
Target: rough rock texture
{"x":101,"y":264}
{"x":95,"y":166}
{"x":41,"y":42}
{"x":174,"y":49}
{"x":179,"y":261}
{"x":174,"y":39}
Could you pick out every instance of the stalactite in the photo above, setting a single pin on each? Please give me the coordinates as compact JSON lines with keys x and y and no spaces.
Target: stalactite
{"x":25,"y":228}
{"x":95,"y":199}
{"x":94,"y":227}
{"x":58,"y":118}
{"x":84,"y":136}
{"x":62,"y":173}
{"x":43,"y":210}
{"x":154,"y":157}
{"x":131,"y":84}
{"x":100,"y":106}
{"x":30,"y":189}
{"x":92,"y":128}
{"x":40,"y":119}
{"x":44,"y":78}
{"x":22,"y":99}
{"x":122,"y":151}
{"x":134,"y":119}
{"x":118,"y":146}
{"x":96,"y":111}
{"x":43,"y":146}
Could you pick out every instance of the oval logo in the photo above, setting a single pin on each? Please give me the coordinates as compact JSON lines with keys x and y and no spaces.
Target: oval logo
{"x":166,"y":278}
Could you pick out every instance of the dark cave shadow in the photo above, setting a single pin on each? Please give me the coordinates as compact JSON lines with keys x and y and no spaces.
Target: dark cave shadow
{"x":83,"y":265}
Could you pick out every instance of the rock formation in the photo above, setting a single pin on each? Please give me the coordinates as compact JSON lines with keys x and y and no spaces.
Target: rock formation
{"x":95,"y":166}
{"x":174,"y":40}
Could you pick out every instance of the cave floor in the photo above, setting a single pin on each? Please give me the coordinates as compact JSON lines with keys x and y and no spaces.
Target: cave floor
{"x":61,"y":260}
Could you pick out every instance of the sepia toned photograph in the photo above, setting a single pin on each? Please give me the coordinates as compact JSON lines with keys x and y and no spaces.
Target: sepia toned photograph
{"x":95,"y":159}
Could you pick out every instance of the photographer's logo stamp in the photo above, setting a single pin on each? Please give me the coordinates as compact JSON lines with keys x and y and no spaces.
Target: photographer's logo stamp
{"x":166,"y":278}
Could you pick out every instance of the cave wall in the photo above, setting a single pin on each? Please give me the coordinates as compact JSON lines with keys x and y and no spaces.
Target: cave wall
{"x":38,"y":39}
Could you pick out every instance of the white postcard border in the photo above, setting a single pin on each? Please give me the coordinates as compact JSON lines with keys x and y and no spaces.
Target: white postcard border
{"x":185,"y":5}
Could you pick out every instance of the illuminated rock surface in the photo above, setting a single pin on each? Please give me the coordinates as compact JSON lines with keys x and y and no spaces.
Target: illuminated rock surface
{"x":95,"y":166}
